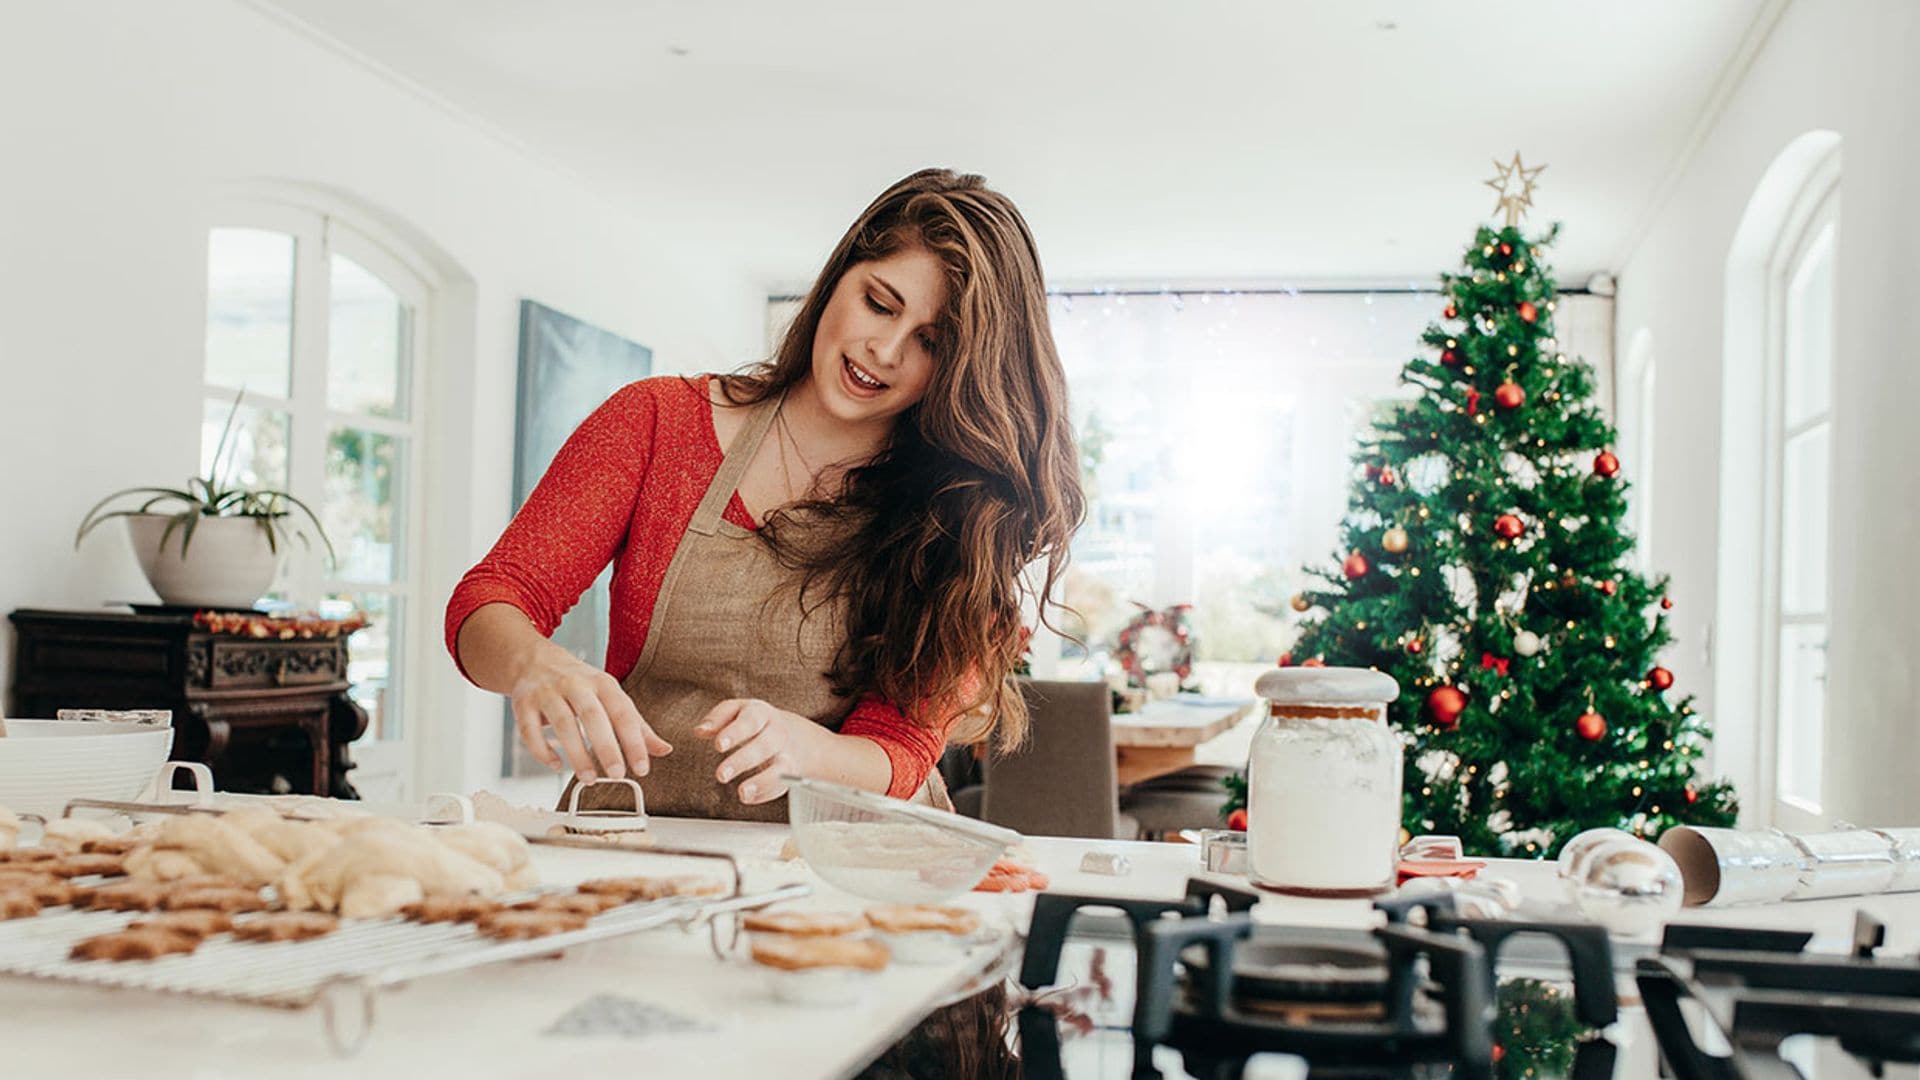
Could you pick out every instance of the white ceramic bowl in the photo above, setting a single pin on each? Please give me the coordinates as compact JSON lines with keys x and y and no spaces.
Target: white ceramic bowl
{"x":44,"y":763}
{"x":890,"y":849}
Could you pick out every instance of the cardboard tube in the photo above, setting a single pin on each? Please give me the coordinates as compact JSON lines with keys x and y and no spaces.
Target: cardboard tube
{"x":1732,"y":866}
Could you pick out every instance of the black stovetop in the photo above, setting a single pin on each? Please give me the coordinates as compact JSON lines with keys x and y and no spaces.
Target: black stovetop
{"x":1194,"y":988}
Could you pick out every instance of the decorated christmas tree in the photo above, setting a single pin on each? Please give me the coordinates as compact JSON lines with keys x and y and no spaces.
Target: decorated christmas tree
{"x":1484,"y":566}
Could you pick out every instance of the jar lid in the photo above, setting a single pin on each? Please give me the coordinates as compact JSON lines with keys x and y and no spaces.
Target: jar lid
{"x":1326,"y":686}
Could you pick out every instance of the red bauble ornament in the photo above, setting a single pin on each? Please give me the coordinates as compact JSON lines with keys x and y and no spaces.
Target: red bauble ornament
{"x":1508,"y":395}
{"x":1445,"y":705}
{"x":1528,"y":313}
{"x":1499,"y":1053}
{"x":1508,"y":527}
{"x":1451,"y":312}
{"x":1416,"y":647}
{"x":1286,"y":660}
{"x":1313,"y":661}
{"x":1608,"y":587}
{"x":1355,"y":566}
{"x":1387,"y":479}
{"x":1606,"y":464}
{"x":1506,"y":249}
{"x":1666,"y":603}
{"x":1660,"y":678}
{"x":1450,"y":357}
{"x":1237,"y":821}
{"x":1692,"y":795}
{"x":1591,"y":726}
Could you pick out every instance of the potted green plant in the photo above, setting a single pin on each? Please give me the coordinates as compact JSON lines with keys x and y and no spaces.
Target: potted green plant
{"x":230,"y":537}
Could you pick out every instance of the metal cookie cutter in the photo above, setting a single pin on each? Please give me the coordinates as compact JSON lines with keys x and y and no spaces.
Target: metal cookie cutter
{"x":580,"y":822}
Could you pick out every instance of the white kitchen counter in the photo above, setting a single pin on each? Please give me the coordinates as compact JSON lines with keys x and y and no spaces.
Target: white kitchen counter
{"x":494,"y":1021}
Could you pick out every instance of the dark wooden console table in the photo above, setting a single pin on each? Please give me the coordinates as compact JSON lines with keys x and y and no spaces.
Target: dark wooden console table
{"x":252,"y":709}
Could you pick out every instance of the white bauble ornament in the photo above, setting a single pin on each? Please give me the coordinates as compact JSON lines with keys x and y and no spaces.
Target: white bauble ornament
{"x":1631,"y":888}
{"x":1575,"y":852}
{"x":1526,"y":643}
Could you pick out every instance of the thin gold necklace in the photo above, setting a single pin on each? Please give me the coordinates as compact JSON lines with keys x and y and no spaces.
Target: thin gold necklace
{"x":780,"y":414}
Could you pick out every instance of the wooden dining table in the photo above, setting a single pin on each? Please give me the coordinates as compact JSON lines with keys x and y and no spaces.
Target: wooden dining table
{"x":1165,"y":735}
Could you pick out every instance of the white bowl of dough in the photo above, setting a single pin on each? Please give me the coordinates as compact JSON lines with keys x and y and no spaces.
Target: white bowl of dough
{"x":44,"y":763}
{"x":889,"y":849}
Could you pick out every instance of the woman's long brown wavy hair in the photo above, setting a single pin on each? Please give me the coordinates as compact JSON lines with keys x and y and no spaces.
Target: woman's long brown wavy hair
{"x":979,"y":482}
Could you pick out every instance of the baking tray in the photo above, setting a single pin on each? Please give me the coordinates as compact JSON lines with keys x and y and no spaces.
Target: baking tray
{"x":344,"y":971}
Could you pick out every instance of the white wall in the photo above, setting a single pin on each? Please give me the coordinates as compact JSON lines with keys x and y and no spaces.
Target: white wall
{"x":1846,"y":67}
{"x":120,"y":120}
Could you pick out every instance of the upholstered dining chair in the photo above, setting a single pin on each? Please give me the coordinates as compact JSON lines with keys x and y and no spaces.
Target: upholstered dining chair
{"x":1061,"y":783}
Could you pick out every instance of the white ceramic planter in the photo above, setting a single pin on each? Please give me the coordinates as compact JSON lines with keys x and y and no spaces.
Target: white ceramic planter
{"x":228,"y":564}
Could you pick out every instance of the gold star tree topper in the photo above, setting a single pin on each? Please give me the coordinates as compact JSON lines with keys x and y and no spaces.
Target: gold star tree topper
{"x":1514,"y":183}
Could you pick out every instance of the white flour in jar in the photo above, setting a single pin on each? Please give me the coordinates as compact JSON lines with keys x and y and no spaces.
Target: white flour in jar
{"x":1323,"y":805}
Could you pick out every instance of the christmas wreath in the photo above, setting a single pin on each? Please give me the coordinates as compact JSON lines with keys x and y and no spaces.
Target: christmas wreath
{"x":1156,"y":641}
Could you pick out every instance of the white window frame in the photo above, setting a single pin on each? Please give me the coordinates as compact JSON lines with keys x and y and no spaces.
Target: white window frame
{"x":385,"y":767}
{"x":1812,"y":221}
{"x":1637,"y":410}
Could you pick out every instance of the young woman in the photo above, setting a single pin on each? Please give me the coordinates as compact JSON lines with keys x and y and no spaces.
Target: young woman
{"x":818,"y":564}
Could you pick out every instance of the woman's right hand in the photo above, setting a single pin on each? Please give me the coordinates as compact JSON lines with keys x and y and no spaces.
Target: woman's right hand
{"x":589,"y":714}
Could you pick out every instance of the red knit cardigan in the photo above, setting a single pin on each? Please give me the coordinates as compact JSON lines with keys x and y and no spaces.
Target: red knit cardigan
{"x":622,"y":490}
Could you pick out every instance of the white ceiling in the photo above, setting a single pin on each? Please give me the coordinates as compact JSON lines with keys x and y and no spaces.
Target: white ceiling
{"x":1148,"y":142}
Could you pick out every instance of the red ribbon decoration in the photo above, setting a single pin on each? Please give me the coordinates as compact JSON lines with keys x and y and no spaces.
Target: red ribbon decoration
{"x":1473,"y":401}
{"x":1495,"y":663}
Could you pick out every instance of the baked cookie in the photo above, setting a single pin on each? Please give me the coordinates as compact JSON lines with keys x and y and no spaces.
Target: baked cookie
{"x":48,"y":891}
{"x":122,"y":896}
{"x":14,"y":877}
{"x":202,"y":881}
{"x":654,"y":888}
{"x":82,"y":865}
{"x":286,"y":926}
{"x":579,"y":903}
{"x":227,"y":898}
{"x":516,"y":925}
{"x":109,"y":845}
{"x":144,"y":944}
{"x":435,"y":909}
{"x":69,"y":835}
{"x":199,"y":922}
{"x":804,"y":923}
{"x":17,"y":904}
{"x":912,"y":918}
{"x":16,"y":856}
{"x":803,"y":953}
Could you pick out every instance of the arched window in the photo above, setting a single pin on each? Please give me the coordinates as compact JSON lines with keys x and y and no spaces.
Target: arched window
{"x":319,"y":329}
{"x":1775,"y":477}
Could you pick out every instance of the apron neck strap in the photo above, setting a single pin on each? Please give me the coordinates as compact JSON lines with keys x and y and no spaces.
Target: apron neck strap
{"x":733,"y":466}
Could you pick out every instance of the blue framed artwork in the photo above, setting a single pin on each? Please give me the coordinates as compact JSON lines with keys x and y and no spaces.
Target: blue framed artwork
{"x":567,"y":368}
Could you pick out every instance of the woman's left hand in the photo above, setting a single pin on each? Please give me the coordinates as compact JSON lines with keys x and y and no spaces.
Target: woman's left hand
{"x":760,"y":736}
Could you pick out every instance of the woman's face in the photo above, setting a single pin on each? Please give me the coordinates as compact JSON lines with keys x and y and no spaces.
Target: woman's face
{"x":873,"y":352}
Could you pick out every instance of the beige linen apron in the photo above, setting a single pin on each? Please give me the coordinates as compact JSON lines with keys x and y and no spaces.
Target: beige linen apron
{"x":728,"y":623}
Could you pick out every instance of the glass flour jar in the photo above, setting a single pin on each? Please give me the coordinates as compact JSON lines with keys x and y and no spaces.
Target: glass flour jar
{"x":1323,"y":784}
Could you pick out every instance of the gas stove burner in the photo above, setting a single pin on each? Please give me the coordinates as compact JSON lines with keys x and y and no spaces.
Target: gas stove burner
{"x":1338,"y":974}
{"x":1218,"y":987}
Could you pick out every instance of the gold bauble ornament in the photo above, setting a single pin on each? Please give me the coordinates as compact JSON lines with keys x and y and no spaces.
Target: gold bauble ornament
{"x":1300,"y":602}
{"x":1394,"y":540}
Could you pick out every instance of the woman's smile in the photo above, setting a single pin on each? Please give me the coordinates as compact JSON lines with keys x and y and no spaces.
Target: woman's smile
{"x":860,"y":381}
